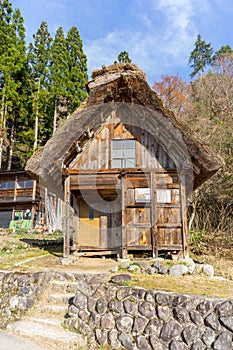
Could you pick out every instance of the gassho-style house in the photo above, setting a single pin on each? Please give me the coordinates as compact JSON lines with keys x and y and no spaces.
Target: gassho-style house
{"x":124,"y":166}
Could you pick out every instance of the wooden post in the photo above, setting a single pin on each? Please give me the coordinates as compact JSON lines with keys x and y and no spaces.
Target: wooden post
{"x":76,"y":222}
{"x":34,"y":190}
{"x":15,"y":187}
{"x":124,"y":253}
{"x":45,"y":214}
{"x":183,"y":213}
{"x":103,"y":231}
{"x":153,"y":203}
{"x":33,"y":210}
{"x":66,"y":241}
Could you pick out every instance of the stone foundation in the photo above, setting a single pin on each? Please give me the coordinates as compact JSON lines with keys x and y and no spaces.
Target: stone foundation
{"x":18,"y":293}
{"x":136,"y":318}
{"x":126,"y":317}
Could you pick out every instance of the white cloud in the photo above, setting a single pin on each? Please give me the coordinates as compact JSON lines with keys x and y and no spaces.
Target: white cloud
{"x":155,"y":46}
{"x":55,"y":5}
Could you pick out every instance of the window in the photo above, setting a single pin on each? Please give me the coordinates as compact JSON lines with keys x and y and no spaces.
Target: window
{"x":7,"y":185}
{"x":91,"y":213}
{"x":22,"y":214}
{"x":25,"y":184}
{"x":123,"y":153}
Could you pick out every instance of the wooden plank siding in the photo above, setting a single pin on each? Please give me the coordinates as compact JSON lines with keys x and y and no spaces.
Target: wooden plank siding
{"x":18,"y":193}
{"x":157,"y":223}
{"x":96,"y":153}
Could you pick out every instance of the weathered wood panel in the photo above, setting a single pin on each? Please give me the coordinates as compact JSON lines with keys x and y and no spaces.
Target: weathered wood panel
{"x":169,"y":235}
{"x":96,"y":153}
{"x":94,"y":181}
{"x":168,"y":215}
{"x":138,"y":216}
{"x":138,"y":236}
{"x":16,"y":195}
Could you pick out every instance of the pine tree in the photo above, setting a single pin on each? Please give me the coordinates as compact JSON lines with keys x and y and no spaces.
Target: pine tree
{"x":77,"y":67}
{"x":39,"y":59}
{"x":221,"y":56}
{"x":5,"y":20}
{"x":12,"y":72}
{"x":123,"y":57}
{"x":200,"y":57}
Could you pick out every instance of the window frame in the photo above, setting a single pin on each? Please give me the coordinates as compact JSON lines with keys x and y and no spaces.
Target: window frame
{"x":7,"y":185}
{"x":25,"y":184}
{"x":123,"y":159}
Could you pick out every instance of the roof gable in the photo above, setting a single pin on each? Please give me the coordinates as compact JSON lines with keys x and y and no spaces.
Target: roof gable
{"x":121,"y":91}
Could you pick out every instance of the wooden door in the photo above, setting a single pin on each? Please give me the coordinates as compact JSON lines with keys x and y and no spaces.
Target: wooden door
{"x":100,"y":229}
{"x":89,"y":226}
{"x":152,"y":212}
{"x":137,"y":211}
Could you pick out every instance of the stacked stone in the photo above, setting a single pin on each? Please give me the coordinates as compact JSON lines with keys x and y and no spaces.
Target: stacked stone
{"x":18,"y":293}
{"x":183,"y":267}
{"x":136,"y":318}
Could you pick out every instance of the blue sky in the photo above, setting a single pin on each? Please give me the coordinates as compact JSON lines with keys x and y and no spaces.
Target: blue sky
{"x":158,"y":34}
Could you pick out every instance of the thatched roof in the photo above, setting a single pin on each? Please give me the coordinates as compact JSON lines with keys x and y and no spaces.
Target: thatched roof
{"x":122,"y":88}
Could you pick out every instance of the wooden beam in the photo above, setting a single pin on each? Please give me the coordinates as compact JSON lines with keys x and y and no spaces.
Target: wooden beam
{"x":34,"y":190}
{"x":103,"y":231}
{"x":76,"y":222}
{"x":183,"y":214}
{"x":154,"y":234}
{"x":97,"y":253}
{"x":66,"y":240}
{"x":124,"y":252}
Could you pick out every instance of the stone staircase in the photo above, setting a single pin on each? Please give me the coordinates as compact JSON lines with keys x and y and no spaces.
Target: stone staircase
{"x":43,"y":324}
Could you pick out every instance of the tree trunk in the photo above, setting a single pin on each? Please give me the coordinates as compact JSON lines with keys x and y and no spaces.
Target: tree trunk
{"x":3,"y":127}
{"x":11,"y":147}
{"x":37,"y":117}
{"x":36,"y":129}
{"x":55,"y":117}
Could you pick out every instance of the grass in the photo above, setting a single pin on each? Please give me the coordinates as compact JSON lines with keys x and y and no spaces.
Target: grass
{"x":13,"y":259}
{"x":189,"y":284}
{"x":17,"y":253}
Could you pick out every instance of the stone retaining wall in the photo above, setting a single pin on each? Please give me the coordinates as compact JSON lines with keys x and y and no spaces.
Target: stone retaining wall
{"x":127,"y":317}
{"x":18,"y":293}
{"x":135,"y":318}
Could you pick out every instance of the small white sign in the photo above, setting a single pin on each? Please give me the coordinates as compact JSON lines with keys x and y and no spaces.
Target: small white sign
{"x":142,"y":195}
{"x":164,"y":196}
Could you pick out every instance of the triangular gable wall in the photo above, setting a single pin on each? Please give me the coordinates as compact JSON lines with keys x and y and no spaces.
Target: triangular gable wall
{"x":96,"y":154}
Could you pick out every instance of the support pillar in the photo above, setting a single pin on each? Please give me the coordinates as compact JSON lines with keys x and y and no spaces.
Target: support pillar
{"x":183,"y":214}
{"x":153,"y":203}
{"x":124,"y":252}
{"x":66,"y":240}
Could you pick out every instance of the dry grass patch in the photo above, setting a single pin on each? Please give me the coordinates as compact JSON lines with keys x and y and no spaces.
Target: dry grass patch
{"x":18,"y":258}
{"x":204,"y":286}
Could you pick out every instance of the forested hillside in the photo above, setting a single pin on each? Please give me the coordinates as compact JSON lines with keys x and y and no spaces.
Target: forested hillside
{"x":206,"y":105}
{"x":40,"y":84}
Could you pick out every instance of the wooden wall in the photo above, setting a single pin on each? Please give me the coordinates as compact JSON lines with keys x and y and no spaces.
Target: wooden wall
{"x":97,"y":152}
{"x":150,"y":225}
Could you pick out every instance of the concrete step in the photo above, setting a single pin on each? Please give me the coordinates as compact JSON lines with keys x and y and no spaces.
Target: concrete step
{"x":64,"y":276}
{"x":63,"y":286}
{"x":52,"y":309}
{"x":59,"y":298}
{"x":54,"y":321}
{"x":45,"y":331}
